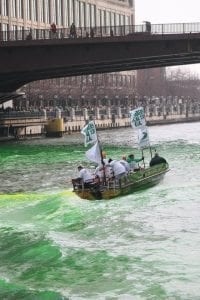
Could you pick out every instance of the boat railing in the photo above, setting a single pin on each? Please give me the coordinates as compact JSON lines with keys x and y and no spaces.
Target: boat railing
{"x":77,"y":184}
{"x":111,"y":183}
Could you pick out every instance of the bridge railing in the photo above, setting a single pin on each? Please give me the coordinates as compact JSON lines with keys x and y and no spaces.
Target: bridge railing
{"x":20,"y":114}
{"x":104,"y":31}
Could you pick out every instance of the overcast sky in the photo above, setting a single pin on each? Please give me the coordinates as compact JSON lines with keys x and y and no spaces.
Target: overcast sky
{"x":169,"y":11}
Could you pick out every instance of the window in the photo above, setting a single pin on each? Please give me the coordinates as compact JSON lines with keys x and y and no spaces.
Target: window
{"x":82,"y":14}
{"x":20,"y":9}
{"x":107,"y":18}
{"x":112,"y":22}
{"x":46,"y":11}
{"x":88,"y":15}
{"x":99,"y":18}
{"x":77,"y":7}
{"x":58,"y":12}
{"x":28,"y":9}
{"x":40,"y":12}
{"x":4,"y":7}
{"x":71,"y":11}
{"x":93,"y":15}
{"x":53,"y":12}
{"x":35,"y":13}
{"x":13,"y":8}
{"x":117,"y":19}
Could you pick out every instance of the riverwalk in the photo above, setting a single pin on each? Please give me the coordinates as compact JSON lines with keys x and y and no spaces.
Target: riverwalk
{"x":33,"y":124}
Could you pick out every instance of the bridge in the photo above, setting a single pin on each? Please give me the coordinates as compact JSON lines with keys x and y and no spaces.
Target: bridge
{"x":42,"y":54}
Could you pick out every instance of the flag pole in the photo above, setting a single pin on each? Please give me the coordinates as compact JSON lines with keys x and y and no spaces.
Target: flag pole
{"x":103,"y":164}
{"x":143,"y":157}
{"x":150,"y":150}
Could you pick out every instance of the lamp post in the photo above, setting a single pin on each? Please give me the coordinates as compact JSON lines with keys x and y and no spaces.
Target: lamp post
{"x":70,"y":100}
{"x":41,"y":102}
{"x":95,"y":100}
{"x":82,"y":100}
{"x":117,"y":100}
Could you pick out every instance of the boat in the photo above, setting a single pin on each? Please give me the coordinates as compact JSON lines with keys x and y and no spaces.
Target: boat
{"x":110,"y":188}
{"x":133,"y":182}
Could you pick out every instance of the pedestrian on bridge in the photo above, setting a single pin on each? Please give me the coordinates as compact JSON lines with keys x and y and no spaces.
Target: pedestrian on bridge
{"x":53,"y":29}
{"x":73,"y":30}
{"x":29,"y":37}
{"x":91,"y":32}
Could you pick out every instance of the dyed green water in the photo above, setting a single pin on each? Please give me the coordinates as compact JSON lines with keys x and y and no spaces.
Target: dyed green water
{"x":56,"y":246}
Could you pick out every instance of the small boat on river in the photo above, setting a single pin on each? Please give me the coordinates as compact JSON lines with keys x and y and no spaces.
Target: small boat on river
{"x":133,"y":180}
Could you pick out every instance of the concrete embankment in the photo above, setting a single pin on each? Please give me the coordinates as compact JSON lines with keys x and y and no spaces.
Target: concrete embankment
{"x":75,"y":125}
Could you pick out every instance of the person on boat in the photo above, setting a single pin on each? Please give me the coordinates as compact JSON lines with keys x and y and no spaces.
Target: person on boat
{"x":99,"y":174}
{"x":156,"y":160}
{"x":133,"y":162}
{"x":103,"y":173}
{"x":87,"y":180}
{"x":118,"y":169}
{"x":105,"y":160}
{"x":85,"y":177}
{"x":124,"y":162}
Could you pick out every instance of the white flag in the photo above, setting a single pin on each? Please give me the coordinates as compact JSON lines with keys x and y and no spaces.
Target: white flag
{"x":137,"y":117}
{"x":90,"y":134}
{"x":143,"y":137}
{"x":94,"y":153}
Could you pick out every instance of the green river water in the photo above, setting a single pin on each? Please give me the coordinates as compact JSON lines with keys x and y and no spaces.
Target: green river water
{"x":54,"y":245}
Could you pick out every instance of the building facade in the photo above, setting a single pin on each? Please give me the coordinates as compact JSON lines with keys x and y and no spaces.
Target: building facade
{"x":25,"y":14}
{"x":19,"y":15}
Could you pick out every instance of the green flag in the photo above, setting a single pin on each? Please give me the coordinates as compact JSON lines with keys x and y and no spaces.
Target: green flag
{"x":137,"y":118}
{"x":90,"y":134}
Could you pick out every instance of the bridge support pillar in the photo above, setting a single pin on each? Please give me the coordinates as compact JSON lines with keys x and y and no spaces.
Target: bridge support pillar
{"x":97,"y":114}
{"x":109,"y":112}
{"x":147,"y":111}
{"x":72,"y":114}
{"x":164,"y":111}
{"x":119,"y":112}
{"x":85,"y":114}
{"x":45,"y":114}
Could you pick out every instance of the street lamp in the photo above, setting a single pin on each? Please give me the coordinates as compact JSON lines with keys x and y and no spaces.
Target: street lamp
{"x":55,"y":100}
{"x":70,"y":100}
{"x":82,"y":100}
{"x":95,"y":100}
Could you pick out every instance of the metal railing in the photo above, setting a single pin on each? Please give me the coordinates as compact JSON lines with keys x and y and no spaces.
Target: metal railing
{"x":99,"y":32}
{"x":20,"y":114}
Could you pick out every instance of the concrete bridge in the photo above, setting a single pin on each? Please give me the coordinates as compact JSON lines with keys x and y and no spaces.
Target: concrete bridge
{"x":12,"y":123}
{"x":46,"y":55}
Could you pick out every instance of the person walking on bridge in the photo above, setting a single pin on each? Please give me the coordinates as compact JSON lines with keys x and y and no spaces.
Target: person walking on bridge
{"x":73,"y":31}
{"x":53,"y":30}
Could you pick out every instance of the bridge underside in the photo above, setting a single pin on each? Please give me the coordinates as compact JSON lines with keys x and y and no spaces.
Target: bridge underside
{"x":27,"y":61}
{"x":7,"y":96}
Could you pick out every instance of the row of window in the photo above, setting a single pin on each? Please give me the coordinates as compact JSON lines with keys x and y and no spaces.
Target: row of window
{"x":111,"y":80}
{"x":62,"y":12}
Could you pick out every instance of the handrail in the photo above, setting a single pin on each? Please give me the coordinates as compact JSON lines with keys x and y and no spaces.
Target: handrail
{"x":100,"y":32}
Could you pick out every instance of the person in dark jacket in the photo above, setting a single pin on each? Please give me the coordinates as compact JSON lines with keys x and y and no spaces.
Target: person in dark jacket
{"x":157,"y":160}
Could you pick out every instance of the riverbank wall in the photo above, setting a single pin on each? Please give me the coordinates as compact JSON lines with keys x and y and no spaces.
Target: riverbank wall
{"x":74,"y":123}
